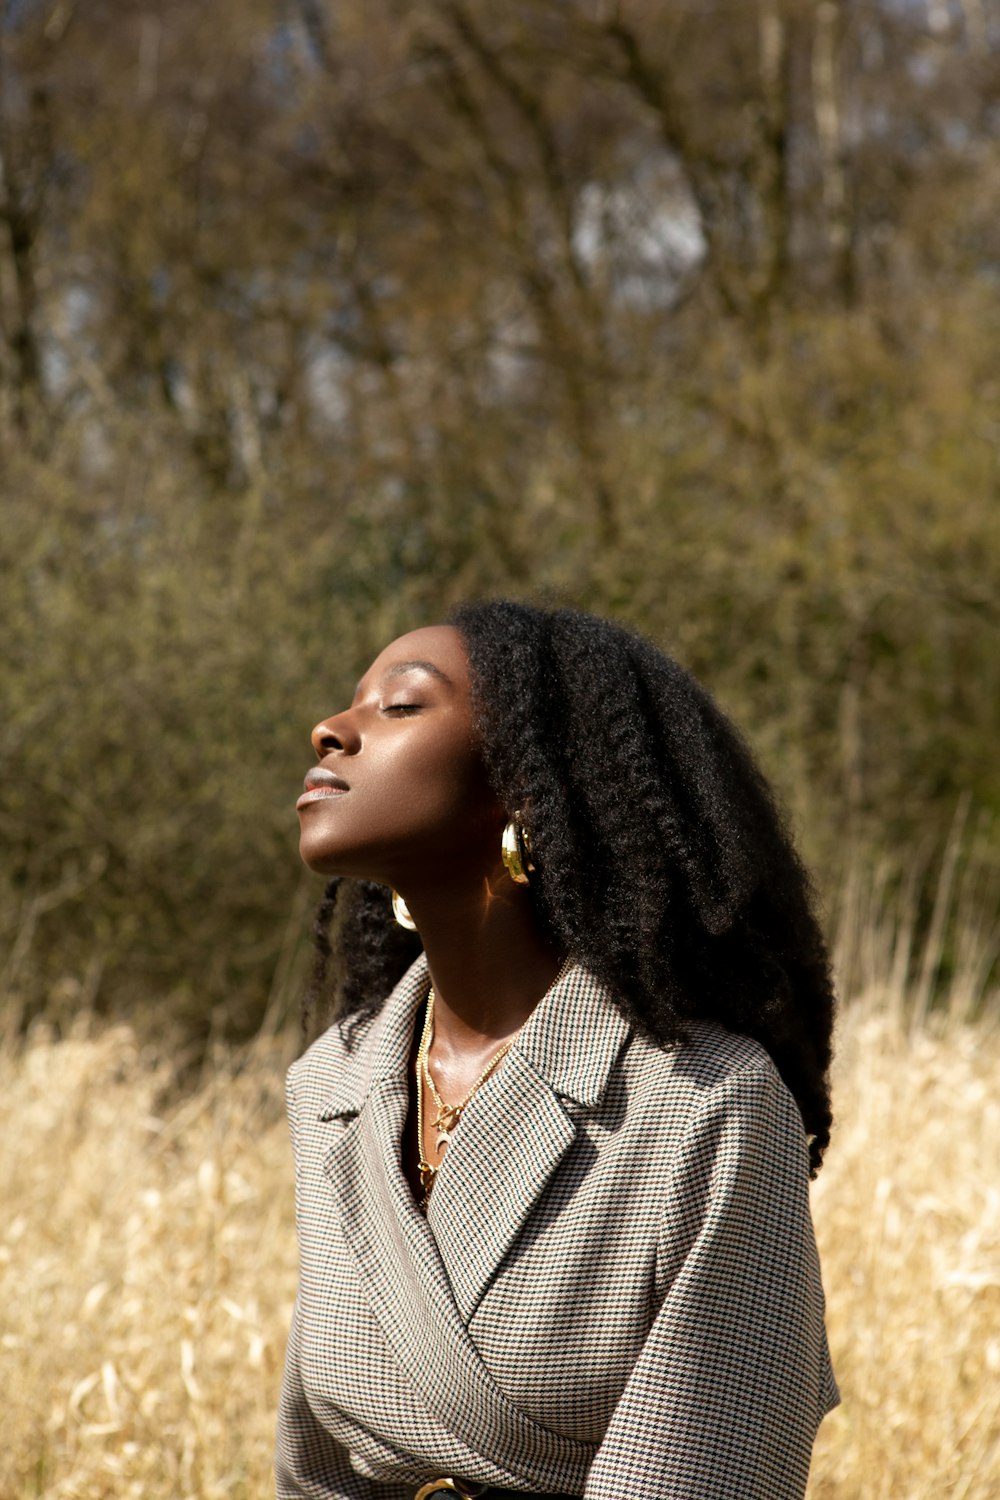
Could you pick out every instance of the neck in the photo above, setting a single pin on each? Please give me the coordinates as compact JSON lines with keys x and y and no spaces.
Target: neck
{"x":489,"y":962}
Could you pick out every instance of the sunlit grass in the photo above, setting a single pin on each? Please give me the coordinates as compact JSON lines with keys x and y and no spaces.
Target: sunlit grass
{"x":908,"y":1219}
{"x":147,"y":1260}
{"x":146,"y":1275}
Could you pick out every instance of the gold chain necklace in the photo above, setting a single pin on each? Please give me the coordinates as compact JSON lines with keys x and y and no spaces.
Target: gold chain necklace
{"x":448,"y":1115}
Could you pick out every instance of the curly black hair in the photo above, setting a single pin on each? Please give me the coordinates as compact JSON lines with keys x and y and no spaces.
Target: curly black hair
{"x":664,"y":866}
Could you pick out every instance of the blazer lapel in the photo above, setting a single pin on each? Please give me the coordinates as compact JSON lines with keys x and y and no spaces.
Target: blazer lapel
{"x":396,"y":1256}
{"x":518,"y":1127}
{"x":394,"y":1252}
{"x":512,"y":1137}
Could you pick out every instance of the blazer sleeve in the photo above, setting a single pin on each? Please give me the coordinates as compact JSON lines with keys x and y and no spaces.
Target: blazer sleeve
{"x":309,"y":1462}
{"x":725,"y":1398}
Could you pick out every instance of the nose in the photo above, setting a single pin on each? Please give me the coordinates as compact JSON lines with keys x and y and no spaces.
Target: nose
{"x":336,"y":733}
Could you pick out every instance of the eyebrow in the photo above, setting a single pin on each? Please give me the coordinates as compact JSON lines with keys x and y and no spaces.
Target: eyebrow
{"x":402,"y":667}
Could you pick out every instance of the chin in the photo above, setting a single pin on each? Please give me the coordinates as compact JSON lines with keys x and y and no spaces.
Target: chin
{"x":321,"y":861}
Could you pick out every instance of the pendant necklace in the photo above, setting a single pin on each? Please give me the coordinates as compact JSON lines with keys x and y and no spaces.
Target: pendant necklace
{"x":448,"y":1115}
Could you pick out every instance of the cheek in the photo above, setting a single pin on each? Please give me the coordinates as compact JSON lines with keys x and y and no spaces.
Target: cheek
{"x":445,"y":786}
{"x":437,"y":784}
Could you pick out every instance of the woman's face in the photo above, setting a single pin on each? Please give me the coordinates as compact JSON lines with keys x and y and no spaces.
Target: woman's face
{"x":400,"y":794}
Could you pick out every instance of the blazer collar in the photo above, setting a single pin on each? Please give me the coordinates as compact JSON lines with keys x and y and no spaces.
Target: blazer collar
{"x":573,"y":1037}
{"x":571,"y":1040}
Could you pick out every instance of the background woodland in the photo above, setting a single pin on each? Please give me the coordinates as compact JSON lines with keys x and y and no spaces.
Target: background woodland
{"x":316,"y":317}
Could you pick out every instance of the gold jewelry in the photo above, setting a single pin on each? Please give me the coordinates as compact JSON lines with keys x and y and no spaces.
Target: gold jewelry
{"x":426,"y":1171}
{"x":401,"y":912}
{"x":448,"y":1115}
{"x":515,"y":850}
{"x":446,"y":1487}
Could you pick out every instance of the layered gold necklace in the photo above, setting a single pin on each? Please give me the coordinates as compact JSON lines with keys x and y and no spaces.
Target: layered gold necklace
{"x":448,"y":1115}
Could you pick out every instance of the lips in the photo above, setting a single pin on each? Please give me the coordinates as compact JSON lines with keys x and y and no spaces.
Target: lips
{"x":320,"y":784}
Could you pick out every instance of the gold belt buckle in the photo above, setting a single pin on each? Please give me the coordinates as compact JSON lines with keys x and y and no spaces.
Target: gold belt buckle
{"x":447,"y":1487}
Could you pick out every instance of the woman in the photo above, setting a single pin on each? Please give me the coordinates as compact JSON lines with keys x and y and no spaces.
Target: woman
{"x":552,"y":1190}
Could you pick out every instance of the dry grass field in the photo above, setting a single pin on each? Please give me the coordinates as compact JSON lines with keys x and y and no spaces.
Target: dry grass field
{"x":147,"y":1260}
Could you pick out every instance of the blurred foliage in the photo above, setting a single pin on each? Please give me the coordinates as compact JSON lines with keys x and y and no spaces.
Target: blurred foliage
{"x":315,"y":317}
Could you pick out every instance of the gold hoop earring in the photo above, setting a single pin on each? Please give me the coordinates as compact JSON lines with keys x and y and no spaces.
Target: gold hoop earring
{"x":401,"y":912}
{"x":515,"y":850}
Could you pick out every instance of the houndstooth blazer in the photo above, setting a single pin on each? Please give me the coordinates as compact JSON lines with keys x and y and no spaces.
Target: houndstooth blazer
{"x":615,"y":1292}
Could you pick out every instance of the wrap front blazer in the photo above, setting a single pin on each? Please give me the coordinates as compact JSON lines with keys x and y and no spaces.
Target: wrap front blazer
{"x":615,"y":1292}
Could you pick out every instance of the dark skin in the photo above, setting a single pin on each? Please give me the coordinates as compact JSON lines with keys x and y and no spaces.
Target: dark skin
{"x":406,"y":802}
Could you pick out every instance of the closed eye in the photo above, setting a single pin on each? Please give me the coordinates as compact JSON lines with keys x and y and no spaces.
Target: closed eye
{"x":401,"y":708}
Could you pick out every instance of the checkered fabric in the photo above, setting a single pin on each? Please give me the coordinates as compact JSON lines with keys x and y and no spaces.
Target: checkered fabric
{"x":615,"y":1293}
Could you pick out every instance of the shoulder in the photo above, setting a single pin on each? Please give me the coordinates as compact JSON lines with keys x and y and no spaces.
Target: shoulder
{"x":714,"y":1083}
{"x":333,"y":1076}
{"x":708,"y":1061}
{"x":323,"y":1060}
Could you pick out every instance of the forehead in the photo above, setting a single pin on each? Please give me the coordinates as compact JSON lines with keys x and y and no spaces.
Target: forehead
{"x":438,"y":647}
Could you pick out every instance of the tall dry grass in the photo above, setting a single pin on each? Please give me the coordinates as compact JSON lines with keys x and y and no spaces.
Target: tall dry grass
{"x":146,"y":1274}
{"x":147,"y":1255}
